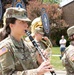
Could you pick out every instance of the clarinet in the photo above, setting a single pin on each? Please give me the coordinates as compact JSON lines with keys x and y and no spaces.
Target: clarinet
{"x":37,"y":48}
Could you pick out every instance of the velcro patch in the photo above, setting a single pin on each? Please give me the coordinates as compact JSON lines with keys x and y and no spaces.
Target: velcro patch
{"x":3,"y":51}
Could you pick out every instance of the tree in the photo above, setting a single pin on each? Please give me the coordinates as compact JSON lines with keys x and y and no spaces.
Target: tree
{"x":57,"y":24}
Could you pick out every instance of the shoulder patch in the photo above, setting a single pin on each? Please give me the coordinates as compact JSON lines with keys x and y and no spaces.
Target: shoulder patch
{"x":3,"y":50}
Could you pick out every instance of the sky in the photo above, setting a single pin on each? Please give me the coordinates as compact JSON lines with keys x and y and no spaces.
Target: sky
{"x":64,"y":2}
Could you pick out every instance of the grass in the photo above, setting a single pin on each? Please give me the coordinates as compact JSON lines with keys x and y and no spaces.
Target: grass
{"x":46,"y":1}
{"x":56,"y":50}
{"x":55,"y":60}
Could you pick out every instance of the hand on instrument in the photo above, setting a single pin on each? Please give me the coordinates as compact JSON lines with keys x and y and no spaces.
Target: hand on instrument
{"x":44,"y":67}
{"x":45,"y":38}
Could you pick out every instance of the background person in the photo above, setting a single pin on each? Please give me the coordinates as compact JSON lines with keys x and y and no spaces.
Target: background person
{"x":15,"y":57}
{"x":68,"y":58}
{"x":62,"y":43}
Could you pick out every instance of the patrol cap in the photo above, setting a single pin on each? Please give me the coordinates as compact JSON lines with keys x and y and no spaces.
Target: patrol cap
{"x":38,"y":30}
{"x":70,"y":31}
{"x":15,"y":12}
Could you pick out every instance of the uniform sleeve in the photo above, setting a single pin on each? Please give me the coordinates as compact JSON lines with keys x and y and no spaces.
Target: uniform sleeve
{"x":6,"y":60}
{"x":27,"y":72}
{"x":31,"y":72}
{"x":7,"y":65}
{"x":71,"y":58}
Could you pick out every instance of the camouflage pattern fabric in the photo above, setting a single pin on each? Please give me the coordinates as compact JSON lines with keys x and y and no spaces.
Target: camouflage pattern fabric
{"x":68,"y":59}
{"x":10,"y":52}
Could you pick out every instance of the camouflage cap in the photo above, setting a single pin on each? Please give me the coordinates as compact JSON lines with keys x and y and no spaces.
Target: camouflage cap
{"x":70,"y":31}
{"x":15,"y":12}
{"x":38,"y":30}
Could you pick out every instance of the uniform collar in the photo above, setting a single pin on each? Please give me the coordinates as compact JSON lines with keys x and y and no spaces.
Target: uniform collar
{"x":18,"y":44}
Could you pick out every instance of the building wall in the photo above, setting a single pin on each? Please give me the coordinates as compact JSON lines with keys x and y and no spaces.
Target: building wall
{"x":68,"y":13}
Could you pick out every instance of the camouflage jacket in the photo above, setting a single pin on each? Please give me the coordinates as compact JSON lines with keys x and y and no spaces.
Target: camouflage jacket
{"x":68,"y":59}
{"x":15,"y":58}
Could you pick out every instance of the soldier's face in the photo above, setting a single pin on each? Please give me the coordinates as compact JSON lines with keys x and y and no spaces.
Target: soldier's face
{"x":19,"y":27}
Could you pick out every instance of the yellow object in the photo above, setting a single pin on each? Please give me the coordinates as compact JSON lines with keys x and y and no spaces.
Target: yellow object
{"x":36,"y":23}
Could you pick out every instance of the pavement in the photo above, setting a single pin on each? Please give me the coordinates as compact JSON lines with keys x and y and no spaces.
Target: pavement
{"x":56,"y":55}
{"x":57,"y":73}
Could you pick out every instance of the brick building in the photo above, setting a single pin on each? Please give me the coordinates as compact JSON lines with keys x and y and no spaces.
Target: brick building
{"x":68,"y":11}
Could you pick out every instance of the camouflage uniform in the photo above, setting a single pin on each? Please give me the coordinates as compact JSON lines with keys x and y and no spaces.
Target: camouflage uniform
{"x":68,"y":58}
{"x":15,"y":58}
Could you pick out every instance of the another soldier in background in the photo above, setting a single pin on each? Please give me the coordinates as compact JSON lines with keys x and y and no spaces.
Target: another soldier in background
{"x":68,"y":58}
{"x":15,"y":57}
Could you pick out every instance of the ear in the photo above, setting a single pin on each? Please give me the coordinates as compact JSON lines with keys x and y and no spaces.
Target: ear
{"x":11,"y":25}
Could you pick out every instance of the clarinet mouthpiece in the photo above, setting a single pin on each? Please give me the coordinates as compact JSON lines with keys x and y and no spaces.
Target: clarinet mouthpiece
{"x":25,"y":30}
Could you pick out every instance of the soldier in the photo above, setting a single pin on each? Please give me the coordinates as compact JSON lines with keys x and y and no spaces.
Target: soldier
{"x":37,"y":26}
{"x":15,"y":57}
{"x":68,"y":58}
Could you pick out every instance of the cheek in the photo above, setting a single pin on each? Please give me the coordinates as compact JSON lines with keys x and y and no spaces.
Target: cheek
{"x":25,"y":26}
{"x":20,"y":27}
{"x":41,"y":35}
